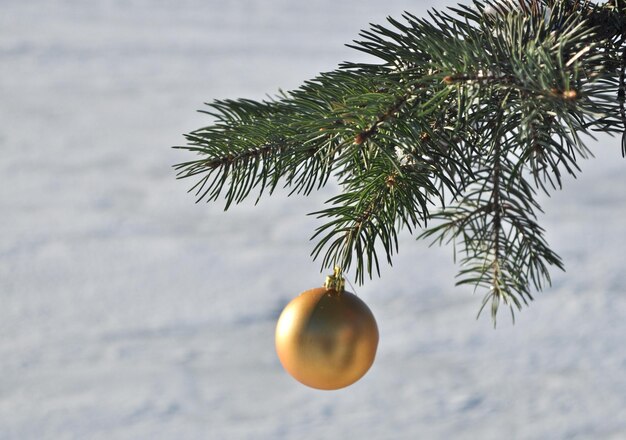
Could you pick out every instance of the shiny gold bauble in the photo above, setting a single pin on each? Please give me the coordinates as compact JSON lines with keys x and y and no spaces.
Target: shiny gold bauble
{"x":326,"y":338}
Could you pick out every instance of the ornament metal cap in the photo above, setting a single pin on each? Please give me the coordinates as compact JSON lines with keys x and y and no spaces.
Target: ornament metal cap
{"x":336,"y":282}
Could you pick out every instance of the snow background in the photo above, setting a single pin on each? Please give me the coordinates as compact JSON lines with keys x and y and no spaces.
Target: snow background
{"x":129,"y":312}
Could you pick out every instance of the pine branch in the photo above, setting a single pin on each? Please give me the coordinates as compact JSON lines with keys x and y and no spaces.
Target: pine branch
{"x":376,"y":203}
{"x":494,"y":226}
{"x":474,"y":109}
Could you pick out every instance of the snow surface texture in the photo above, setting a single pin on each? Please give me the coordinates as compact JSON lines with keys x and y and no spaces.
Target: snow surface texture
{"x":129,"y":312}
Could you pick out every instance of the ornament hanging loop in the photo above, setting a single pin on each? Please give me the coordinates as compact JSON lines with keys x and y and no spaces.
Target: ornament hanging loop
{"x":336,"y":282}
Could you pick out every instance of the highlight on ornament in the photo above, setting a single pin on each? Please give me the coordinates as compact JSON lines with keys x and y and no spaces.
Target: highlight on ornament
{"x":326,"y":337}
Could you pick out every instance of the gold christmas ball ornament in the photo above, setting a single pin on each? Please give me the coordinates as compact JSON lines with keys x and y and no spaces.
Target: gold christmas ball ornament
{"x":326,"y":338}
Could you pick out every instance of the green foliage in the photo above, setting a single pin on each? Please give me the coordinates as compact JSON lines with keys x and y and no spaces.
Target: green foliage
{"x":472,"y":110}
